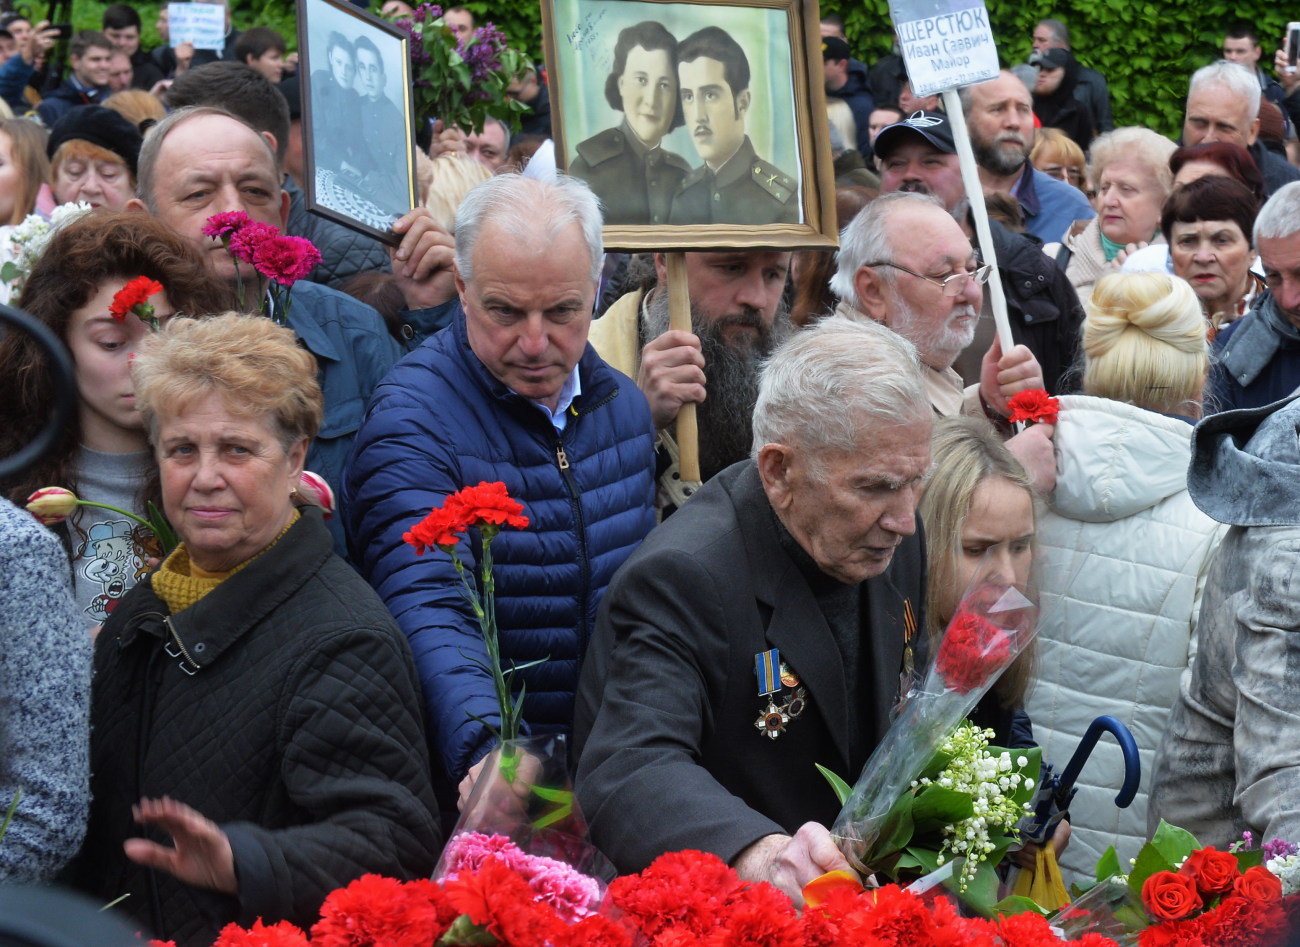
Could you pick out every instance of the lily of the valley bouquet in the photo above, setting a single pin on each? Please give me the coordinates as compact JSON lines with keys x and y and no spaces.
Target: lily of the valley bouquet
{"x":934,"y":790}
{"x":28,"y":241}
{"x":460,"y":80}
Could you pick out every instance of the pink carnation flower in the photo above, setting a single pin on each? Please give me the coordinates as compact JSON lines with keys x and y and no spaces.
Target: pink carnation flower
{"x":285,"y":259}
{"x":246,"y":240}
{"x":568,"y":891}
{"x":226,"y":224}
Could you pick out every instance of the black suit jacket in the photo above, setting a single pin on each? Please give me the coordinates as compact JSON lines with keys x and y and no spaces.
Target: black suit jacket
{"x":669,"y":756}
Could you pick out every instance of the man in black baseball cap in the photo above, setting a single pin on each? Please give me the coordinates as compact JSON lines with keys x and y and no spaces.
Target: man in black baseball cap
{"x":846,"y":79}
{"x":917,"y":154}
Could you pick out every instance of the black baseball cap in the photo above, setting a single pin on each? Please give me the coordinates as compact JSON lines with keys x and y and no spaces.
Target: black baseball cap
{"x":834,"y":49}
{"x":932,"y":126}
{"x":1050,"y":59}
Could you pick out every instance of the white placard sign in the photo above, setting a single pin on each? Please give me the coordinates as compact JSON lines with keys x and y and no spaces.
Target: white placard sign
{"x":203,"y":24}
{"x":945,"y":43}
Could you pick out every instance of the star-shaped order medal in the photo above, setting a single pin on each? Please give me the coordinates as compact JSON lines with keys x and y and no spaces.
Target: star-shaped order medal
{"x":772,"y":720}
{"x":773,"y":674}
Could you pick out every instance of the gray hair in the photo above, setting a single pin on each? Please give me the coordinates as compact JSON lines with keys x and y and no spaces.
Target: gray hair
{"x":866,"y":238}
{"x":529,"y":209}
{"x":1060,"y":32}
{"x":1280,"y":215}
{"x":819,"y":386}
{"x":1232,"y":76}
{"x":153,"y":142}
{"x":1132,"y":143}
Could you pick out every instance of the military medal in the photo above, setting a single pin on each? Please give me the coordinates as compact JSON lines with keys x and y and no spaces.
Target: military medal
{"x":773,"y":674}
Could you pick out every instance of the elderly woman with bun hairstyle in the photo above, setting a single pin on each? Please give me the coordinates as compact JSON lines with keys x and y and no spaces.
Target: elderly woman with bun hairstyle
{"x":1123,"y":551}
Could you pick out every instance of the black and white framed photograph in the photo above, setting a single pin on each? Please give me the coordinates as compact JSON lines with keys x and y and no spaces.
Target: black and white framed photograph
{"x":358,"y":136}
{"x":692,"y":120}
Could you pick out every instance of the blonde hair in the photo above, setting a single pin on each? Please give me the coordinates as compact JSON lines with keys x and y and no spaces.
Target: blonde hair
{"x":966,"y":451}
{"x":136,"y":105}
{"x":841,"y":118}
{"x":1053,"y":145}
{"x":451,"y":177}
{"x":1144,"y":343}
{"x":1142,"y":145}
{"x":255,"y":366}
{"x":27,"y":149}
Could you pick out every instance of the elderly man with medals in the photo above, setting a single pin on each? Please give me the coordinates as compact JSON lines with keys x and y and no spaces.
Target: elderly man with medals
{"x":766,"y":627}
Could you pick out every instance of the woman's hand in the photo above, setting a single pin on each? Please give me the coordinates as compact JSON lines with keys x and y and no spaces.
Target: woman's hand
{"x":201,"y":856}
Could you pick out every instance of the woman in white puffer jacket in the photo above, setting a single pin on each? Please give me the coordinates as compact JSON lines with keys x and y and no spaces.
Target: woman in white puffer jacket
{"x":1123,"y":552}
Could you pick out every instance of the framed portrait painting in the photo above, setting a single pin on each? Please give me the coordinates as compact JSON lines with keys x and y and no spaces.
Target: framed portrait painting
{"x":698,"y":124}
{"x":358,"y":140}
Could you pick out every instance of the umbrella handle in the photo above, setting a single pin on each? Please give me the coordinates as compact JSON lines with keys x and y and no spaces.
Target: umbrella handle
{"x":1127,"y":746}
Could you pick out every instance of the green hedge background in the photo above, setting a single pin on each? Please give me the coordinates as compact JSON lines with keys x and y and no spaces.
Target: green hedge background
{"x":1146,"y":50}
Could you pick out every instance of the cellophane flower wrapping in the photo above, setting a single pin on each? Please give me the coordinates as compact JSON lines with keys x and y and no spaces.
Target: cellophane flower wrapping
{"x":523,"y":812}
{"x":993,"y":624}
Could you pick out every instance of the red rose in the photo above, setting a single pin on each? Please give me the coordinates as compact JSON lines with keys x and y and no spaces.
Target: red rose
{"x":285,"y":259}
{"x":973,"y":650}
{"x":1034,"y":404}
{"x":135,"y":293}
{"x":1212,"y":870}
{"x":1259,"y":884}
{"x":1170,"y":897}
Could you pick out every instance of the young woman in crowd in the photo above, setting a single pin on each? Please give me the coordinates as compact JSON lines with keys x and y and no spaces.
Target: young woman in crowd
{"x":24,"y":169}
{"x":1123,"y":551}
{"x":103,"y":457}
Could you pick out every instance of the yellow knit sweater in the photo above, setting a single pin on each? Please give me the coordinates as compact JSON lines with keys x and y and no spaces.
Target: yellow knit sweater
{"x":180,"y":583}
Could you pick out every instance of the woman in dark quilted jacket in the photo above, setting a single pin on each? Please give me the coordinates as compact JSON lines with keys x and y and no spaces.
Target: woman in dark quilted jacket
{"x":257,"y":735}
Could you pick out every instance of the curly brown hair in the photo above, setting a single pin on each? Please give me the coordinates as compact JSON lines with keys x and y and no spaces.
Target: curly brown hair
{"x":98,"y":248}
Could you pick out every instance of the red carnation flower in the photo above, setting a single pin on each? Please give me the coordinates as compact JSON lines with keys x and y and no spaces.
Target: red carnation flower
{"x":973,"y":650}
{"x":442,"y":527}
{"x":285,"y":259}
{"x":498,"y":899}
{"x":488,"y":503}
{"x":245,"y":241}
{"x":226,"y":224}
{"x":378,"y":910}
{"x":282,"y":934}
{"x":135,"y":293}
{"x":1036,"y":405}
{"x":1212,"y":870}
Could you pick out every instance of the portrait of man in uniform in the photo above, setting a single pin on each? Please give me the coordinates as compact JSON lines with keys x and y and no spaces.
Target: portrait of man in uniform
{"x":733,"y":185}
{"x":627,"y":167}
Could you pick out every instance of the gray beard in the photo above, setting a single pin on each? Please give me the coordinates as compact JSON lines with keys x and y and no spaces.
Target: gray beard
{"x":989,"y":155}
{"x":725,"y":417}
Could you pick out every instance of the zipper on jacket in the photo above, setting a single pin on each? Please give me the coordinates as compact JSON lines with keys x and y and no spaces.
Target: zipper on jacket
{"x":193,"y":666}
{"x":562,"y":461}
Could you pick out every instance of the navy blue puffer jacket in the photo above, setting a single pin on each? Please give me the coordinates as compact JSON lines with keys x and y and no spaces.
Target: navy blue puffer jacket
{"x":441,"y":421}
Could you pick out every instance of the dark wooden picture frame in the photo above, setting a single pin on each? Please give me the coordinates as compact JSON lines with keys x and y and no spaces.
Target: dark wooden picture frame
{"x":605,"y":61}
{"x":357,"y":119}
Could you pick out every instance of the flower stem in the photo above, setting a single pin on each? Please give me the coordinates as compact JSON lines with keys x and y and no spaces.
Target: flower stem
{"x":104,"y":506}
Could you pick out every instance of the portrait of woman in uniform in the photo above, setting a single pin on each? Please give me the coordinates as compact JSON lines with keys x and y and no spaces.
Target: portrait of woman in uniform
{"x":694,"y":121}
{"x":632,"y":174}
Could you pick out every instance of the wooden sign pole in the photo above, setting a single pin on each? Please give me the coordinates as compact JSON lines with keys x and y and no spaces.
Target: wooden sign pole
{"x":679,"y":317}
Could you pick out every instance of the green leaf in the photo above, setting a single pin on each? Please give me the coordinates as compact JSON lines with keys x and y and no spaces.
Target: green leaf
{"x":896,"y":833}
{"x":1148,"y":862}
{"x":927,"y":859}
{"x":9,"y":815}
{"x":1108,"y":865}
{"x":982,"y":892}
{"x":935,"y":806}
{"x":1173,"y":843}
{"x":842,"y":789}
{"x":1019,"y":904}
{"x":1249,"y":859}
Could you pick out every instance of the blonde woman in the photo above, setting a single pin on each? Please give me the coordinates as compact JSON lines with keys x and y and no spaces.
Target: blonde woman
{"x":1123,"y":551}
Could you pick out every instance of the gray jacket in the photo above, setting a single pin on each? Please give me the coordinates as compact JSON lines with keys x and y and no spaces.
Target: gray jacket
{"x":1230,"y":758}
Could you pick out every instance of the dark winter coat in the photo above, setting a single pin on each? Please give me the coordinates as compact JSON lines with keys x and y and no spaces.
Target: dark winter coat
{"x":283,"y":706}
{"x":441,"y":421}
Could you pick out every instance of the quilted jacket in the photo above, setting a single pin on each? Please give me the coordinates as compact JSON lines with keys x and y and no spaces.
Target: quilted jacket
{"x":1121,"y":566}
{"x":441,"y":421}
{"x":283,"y":706}
{"x":344,"y":253}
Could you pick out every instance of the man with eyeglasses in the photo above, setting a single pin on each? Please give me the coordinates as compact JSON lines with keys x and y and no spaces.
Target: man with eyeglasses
{"x":905,"y":262}
{"x":918,"y":155}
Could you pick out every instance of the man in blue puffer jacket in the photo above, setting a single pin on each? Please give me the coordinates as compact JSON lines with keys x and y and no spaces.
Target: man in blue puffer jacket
{"x":510,"y":392}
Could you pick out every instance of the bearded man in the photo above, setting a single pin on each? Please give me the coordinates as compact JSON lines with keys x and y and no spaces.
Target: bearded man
{"x":737,"y":318}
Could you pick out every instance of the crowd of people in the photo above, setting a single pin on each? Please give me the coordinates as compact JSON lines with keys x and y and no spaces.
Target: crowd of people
{"x":285,"y":696}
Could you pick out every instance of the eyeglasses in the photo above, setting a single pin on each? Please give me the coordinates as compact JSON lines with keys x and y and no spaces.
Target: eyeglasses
{"x":951,"y":285}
